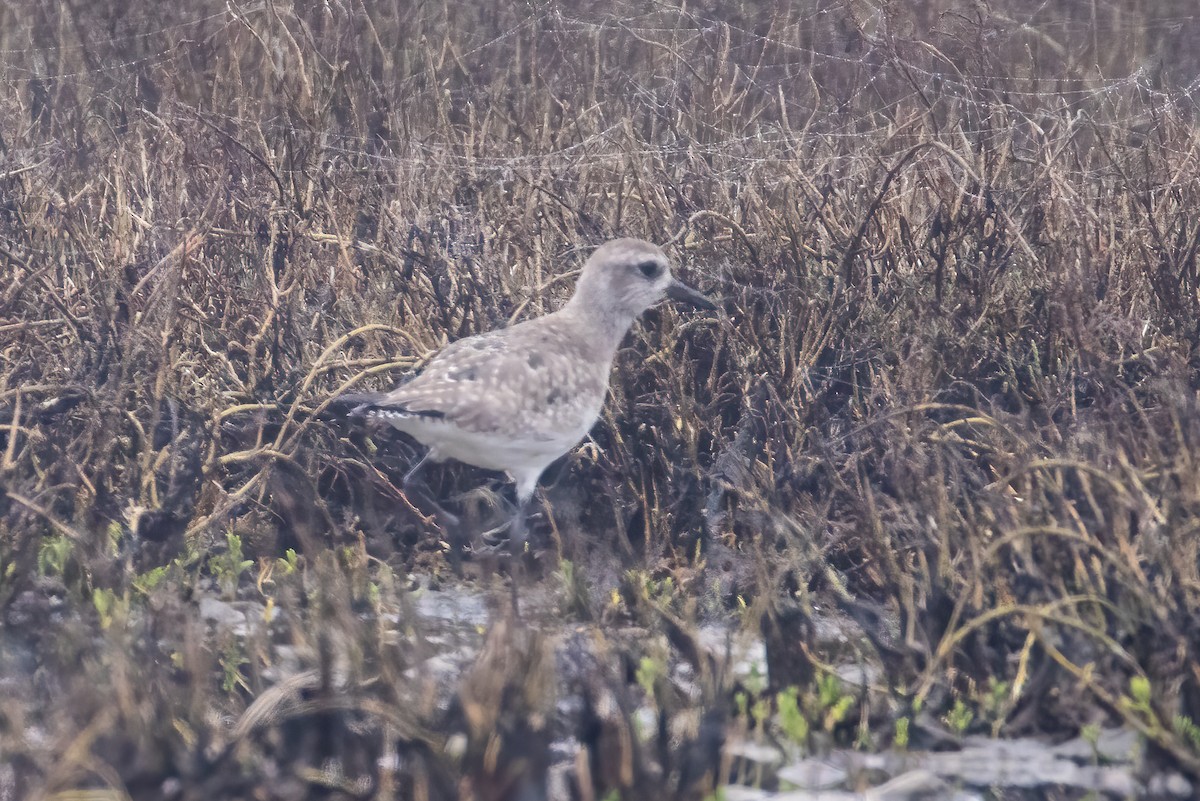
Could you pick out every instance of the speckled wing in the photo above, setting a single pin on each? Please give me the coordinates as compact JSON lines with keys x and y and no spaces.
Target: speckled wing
{"x":532,"y":381}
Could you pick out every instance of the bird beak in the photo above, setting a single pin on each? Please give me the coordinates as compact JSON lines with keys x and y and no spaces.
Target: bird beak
{"x":677,"y":290}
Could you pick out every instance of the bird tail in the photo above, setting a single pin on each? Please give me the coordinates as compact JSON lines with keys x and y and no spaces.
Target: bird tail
{"x":372,"y":404}
{"x":355,"y":404}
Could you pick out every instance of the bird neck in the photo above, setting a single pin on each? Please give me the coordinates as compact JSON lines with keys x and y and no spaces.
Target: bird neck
{"x":603,"y":326}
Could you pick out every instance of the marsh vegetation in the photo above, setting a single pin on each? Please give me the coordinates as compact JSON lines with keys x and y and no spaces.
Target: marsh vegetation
{"x":950,"y":402}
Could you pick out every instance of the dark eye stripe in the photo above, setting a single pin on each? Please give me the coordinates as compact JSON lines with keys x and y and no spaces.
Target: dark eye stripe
{"x":650,"y":269}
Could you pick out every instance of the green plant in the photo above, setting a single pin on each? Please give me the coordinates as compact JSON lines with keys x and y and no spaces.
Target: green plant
{"x":1139,"y":698}
{"x":109,"y":606}
{"x":761,"y":710}
{"x":289,"y":563}
{"x":566,"y":573}
{"x":900,"y":735}
{"x":1188,"y":730}
{"x":832,"y":701}
{"x":575,"y":591}
{"x":755,"y":680}
{"x":650,"y":670}
{"x":227,"y":567}
{"x":959,"y":717}
{"x":791,"y":718}
{"x":114,"y":532}
{"x":231,"y":660}
{"x":996,"y":703}
{"x":146,"y":582}
{"x":7,"y":571}
{"x":53,"y":555}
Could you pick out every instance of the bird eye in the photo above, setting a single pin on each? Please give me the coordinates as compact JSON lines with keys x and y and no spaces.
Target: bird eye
{"x":650,"y":269}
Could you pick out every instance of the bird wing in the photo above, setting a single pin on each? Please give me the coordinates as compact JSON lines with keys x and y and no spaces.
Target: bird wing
{"x":531,"y":381}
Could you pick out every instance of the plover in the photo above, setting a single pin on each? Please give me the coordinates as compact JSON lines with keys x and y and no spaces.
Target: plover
{"x":515,"y":399}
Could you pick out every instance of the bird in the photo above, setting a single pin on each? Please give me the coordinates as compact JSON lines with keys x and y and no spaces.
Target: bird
{"x":515,"y":399}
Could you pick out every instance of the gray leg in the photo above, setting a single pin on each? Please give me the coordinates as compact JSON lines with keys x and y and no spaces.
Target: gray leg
{"x":517,"y":534}
{"x":518,"y":531}
{"x":421,"y":494}
{"x":526,"y":487}
{"x":416,"y":468}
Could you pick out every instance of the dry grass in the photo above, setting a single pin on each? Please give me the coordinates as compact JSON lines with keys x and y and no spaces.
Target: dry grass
{"x":954,"y":386}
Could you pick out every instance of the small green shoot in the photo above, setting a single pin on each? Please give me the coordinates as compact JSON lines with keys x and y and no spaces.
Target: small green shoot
{"x":900,"y":738}
{"x":227,"y":568}
{"x":289,"y":563}
{"x":649,"y":671}
{"x":53,"y":555}
{"x":833,"y":700}
{"x":959,"y":717}
{"x":114,"y":532}
{"x":791,"y":718}
{"x":108,"y":606}
{"x":146,"y":582}
{"x":1139,"y":694}
{"x":231,"y":662}
{"x":1188,"y":730}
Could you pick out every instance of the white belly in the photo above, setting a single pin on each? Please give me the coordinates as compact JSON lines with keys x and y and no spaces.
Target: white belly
{"x":512,"y":454}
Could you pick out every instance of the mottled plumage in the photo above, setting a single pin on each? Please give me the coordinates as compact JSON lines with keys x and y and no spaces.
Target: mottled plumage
{"x":517,"y":398}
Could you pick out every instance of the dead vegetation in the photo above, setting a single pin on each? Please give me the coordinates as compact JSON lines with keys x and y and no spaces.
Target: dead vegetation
{"x":953,"y":390}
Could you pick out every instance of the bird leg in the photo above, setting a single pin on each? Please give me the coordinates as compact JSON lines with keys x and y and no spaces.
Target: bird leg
{"x":518,"y":530}
{"x":423,"y":497}
{"x":517,"y":534}
{"x":515,"y":530}
{"x":406,"y":482}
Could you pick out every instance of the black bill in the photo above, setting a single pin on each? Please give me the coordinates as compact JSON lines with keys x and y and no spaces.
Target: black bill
{"x":677,"y":290}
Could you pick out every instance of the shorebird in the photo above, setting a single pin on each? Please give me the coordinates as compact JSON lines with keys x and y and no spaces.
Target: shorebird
{"x":516,"y":399}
